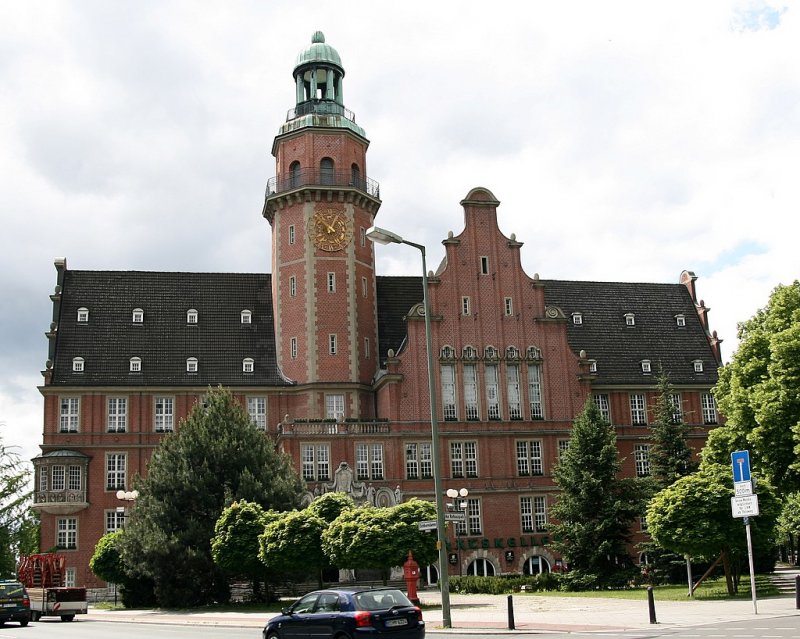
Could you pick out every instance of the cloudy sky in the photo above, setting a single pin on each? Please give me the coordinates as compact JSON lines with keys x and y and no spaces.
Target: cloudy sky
{"x":626,"y":141}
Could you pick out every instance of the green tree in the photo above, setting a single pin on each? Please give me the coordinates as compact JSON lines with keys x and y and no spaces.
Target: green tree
{"x":15,"y":499}
{"x":292,"y":544}
{"x":594,"y":509}
{"x":693,"y":517}
{"x":670,"y":454}
{"x":759,"y":393}
{"x":789,"y":524}
{"x":215,"y":457}
{"x":106,"y":563}
{"x":330,"y":505}
{"x":235,"y":545}
{"x":380,"y":538}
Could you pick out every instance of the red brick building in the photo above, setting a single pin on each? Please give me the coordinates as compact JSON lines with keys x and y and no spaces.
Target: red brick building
{"x":329,"y":358}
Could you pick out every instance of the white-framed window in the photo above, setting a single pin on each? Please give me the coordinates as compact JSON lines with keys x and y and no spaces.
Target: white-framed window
{"x":481,"y":567}
{"x":369,"y":461}
{"x":77,"y":364}
{"x":116,"y":467}
{"x":677,"y":407}
{"x":474,"y":526}
{"x":366,"y":348}
{"x":646,"y":367}
{"x":43,"y":478}
{"x":465,"y":305}
{"x":448,"y":375}
{"x":316,"y":462}
{"x":513,"y":392}
{"x":70,"y":413}
{"x":257,"y":409}
{"x":638,"y":409}
{"x":536,"y":565}
{"x":74,"y":479}
{"x":331,"y":282}
{"x":332,"y":343}
{"x":533,"y":352}
{"x":447,"y":352}
{"x":592,"y":365}
{"x":291,"y":234}
{"x":463,"y":459}
{"x":709,"y":408}
{"x":293,"y":347}
{"x":191,"y":365}
{"x":59,"y":477}
{"x":490,"y":352}
{"x":492,"y":385}
{"x":602,"y":403}
{"x":469,"y":353}
{"x":484,"y":264}
{"x":512,"y":353}
{"x":533,"y":513}
{"x":334,"y":406}
{"x":680,"y":319}
{"x":641,"y":456}
{"x":246,"y":316}
{"x":248,"y":365}
{"x":535,"y":391}
{"x":70,"y":580}
{"x":135,"y":365}
{"x":117,"y":414}
{"x":292,"y":286}
{"x":508,"y":305}
{"x":563,"y":445}
{"x":67,"y":533}
{"x":83,"y":314}
{"x":470,"y":392}
{"x":419,"y":460}
{"x":115,"y":520}
{"x":364,"y":288}
{"x":577,"y":319}
{"x":191,"y":316}
{"x":630,"y":319}
{"x":164,"y":415}
{"x":529,"y":458}
{"x":137,"y":316}
{"x":698,"y":365}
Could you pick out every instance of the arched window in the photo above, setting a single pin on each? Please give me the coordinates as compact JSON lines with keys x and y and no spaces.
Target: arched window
{"x":247,"y":316}
{"x":191,"y":316}
{"x":77,"y":364}
{"x":326,"y":173}
{"x":83,"y":314}
{"x":191,"y":365}
{"x":138,"y":316}
{"x":247,"y":365}
{"x":294,"y":174}
{"x":490,"y":352}
{"x":512,"y":352}
{"x":535,"y":565}
{"x":355,"y":176}
{"x":136,"y":365}
{"x":481,"y":568}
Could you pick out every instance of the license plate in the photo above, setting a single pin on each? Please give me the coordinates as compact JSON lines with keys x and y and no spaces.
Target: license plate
{"x":396,"y":622}
{"x":8,"y":605}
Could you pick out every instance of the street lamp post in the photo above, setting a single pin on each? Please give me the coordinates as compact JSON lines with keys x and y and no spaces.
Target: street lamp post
{"x":382,"y":236}
{"x":460,"y":505}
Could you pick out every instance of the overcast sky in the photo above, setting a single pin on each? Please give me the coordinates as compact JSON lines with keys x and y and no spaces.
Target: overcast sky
{"x":626,"y":141}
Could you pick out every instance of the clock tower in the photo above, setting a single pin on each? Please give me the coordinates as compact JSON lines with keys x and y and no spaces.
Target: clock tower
{"x":320,"y":204}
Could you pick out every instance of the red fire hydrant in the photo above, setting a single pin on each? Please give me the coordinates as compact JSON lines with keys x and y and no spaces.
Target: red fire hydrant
{"x":411,"y":575}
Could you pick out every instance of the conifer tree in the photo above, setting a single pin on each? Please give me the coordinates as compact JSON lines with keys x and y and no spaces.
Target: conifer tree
{"x":670,"y":454}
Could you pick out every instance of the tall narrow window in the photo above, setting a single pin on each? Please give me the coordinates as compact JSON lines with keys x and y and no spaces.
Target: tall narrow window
{"x":369,"y":461}
{"x":68,"y":421}
{"x":484,"y":265}
{"x":293,"y":348}
{"x":529,"y":458}
{"x":59,"y":477}
{"x":291,"y":234}
{"x":67,"y":533}
{"x":465,"y":305}
{"x":638,"y":410}
{"x":117,"y":409}
{"x":334,"y":406}
{"x":563,"y":445}
{"x":114,"y":521}
{"x":366,"y":348}
{"x":535,"y":390}
{"x":474,"y":517}
{"x":164,"y":417}
{"x":419,"y":460}
{"x":533,"y":512}
{"x":709,"y":408}
{"x":257,"y":409}
{"x":315,"y":460}
{"x":331,"y":282}
{"x":492,"y":391}
{"x":364,"y":288}
{"x":601,"y":401}
{"x":292,"y":286}
{"x":355,"y":177}
{"x":448,"y":372}
{"x":326,"y":173}
{"x":641,"y":454}
{"x":509,"y":305}
{"x":294,"y":175}
{"x":677,"y":408}
{"x":471,"y":392}
{"x":512,"y":392}
{"x":74,"y":478}
{"x":362,"y":234}
{"x":332,"y":343}
{"x":115,"y":471}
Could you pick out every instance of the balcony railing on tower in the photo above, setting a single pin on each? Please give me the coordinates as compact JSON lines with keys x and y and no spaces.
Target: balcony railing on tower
{"x":322,"y":177}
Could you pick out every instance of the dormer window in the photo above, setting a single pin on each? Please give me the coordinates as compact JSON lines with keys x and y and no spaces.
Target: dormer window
{"x":83,"y":314}
{"x":680,"y":319}
{"x":77,"y":364}
{"x":447,"y":352}
{"x":490,"y":352}
{"x":191,"y":316}
{"x":534,"y":352}
{"x":247,"y":316}
{"x":630,"y":319}
{"x":577,"y":319}
{"x":512,"y":352}
{"x":138,"y":316}
{"x":470,"y":352}
{"x":247,"y":365}
{"x":191,"y":365}
{"x":136,"y":365}
{"x":698,"y":365}
{"x":592,"y":365}
{"x":646,"y":367}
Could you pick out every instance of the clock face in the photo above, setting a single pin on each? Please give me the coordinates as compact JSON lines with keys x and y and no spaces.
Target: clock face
{"x":329,"y":229}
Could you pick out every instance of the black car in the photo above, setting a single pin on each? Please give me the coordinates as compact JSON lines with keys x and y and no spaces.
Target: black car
{"x":14,"y":603}
{"x":349,"y":613}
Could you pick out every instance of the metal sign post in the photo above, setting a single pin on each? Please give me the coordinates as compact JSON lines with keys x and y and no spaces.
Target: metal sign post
{"x":745,"y":505}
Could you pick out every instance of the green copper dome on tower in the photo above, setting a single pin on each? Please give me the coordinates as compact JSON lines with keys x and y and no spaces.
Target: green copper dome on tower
{"x":318,"y":53}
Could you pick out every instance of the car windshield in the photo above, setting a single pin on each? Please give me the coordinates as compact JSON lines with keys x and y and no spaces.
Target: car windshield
{"x":380,"y":599}
{"x":11,"y":590}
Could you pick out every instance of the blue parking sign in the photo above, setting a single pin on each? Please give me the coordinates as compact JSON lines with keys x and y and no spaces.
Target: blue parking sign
{"x":741,"y":465}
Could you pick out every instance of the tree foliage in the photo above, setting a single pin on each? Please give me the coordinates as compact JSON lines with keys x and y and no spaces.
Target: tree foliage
{"x":759,"y":393}
{"x":670,"y":454}
{"x":330,"y":505}
{"x":292,"y":544}
{"x":380,"y":538}
{"x":15,"y":515}
{"x":106,"y":563}
{"x":216,"y":457}
{"x":594,"y":509}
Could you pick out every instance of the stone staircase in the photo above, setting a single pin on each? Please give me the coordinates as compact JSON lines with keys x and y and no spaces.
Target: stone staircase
{"x":785,"y":580}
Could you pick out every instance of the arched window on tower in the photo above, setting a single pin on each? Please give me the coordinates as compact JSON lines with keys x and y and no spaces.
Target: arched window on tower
{"x":326,"y":171}
{"x":294,"y":174}
{"x":355,"y":176}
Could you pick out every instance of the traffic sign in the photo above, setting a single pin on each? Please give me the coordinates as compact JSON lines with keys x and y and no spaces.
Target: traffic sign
{"x":429,"y":524}
{"x":742,"y":488}
{"x":456,"y":516}
{"x":741,"y":465}
{"x":746,"y":506}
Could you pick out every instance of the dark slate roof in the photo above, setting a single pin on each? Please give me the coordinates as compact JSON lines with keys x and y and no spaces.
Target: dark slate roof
{"x":164,"y":340}
{"x":396,"y":296}
{"x":619,"y":349}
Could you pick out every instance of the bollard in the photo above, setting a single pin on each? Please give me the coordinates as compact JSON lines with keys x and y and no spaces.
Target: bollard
{"x":797,"y":592}
{"x":511,"y":613}
{"x":651,"y":604}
